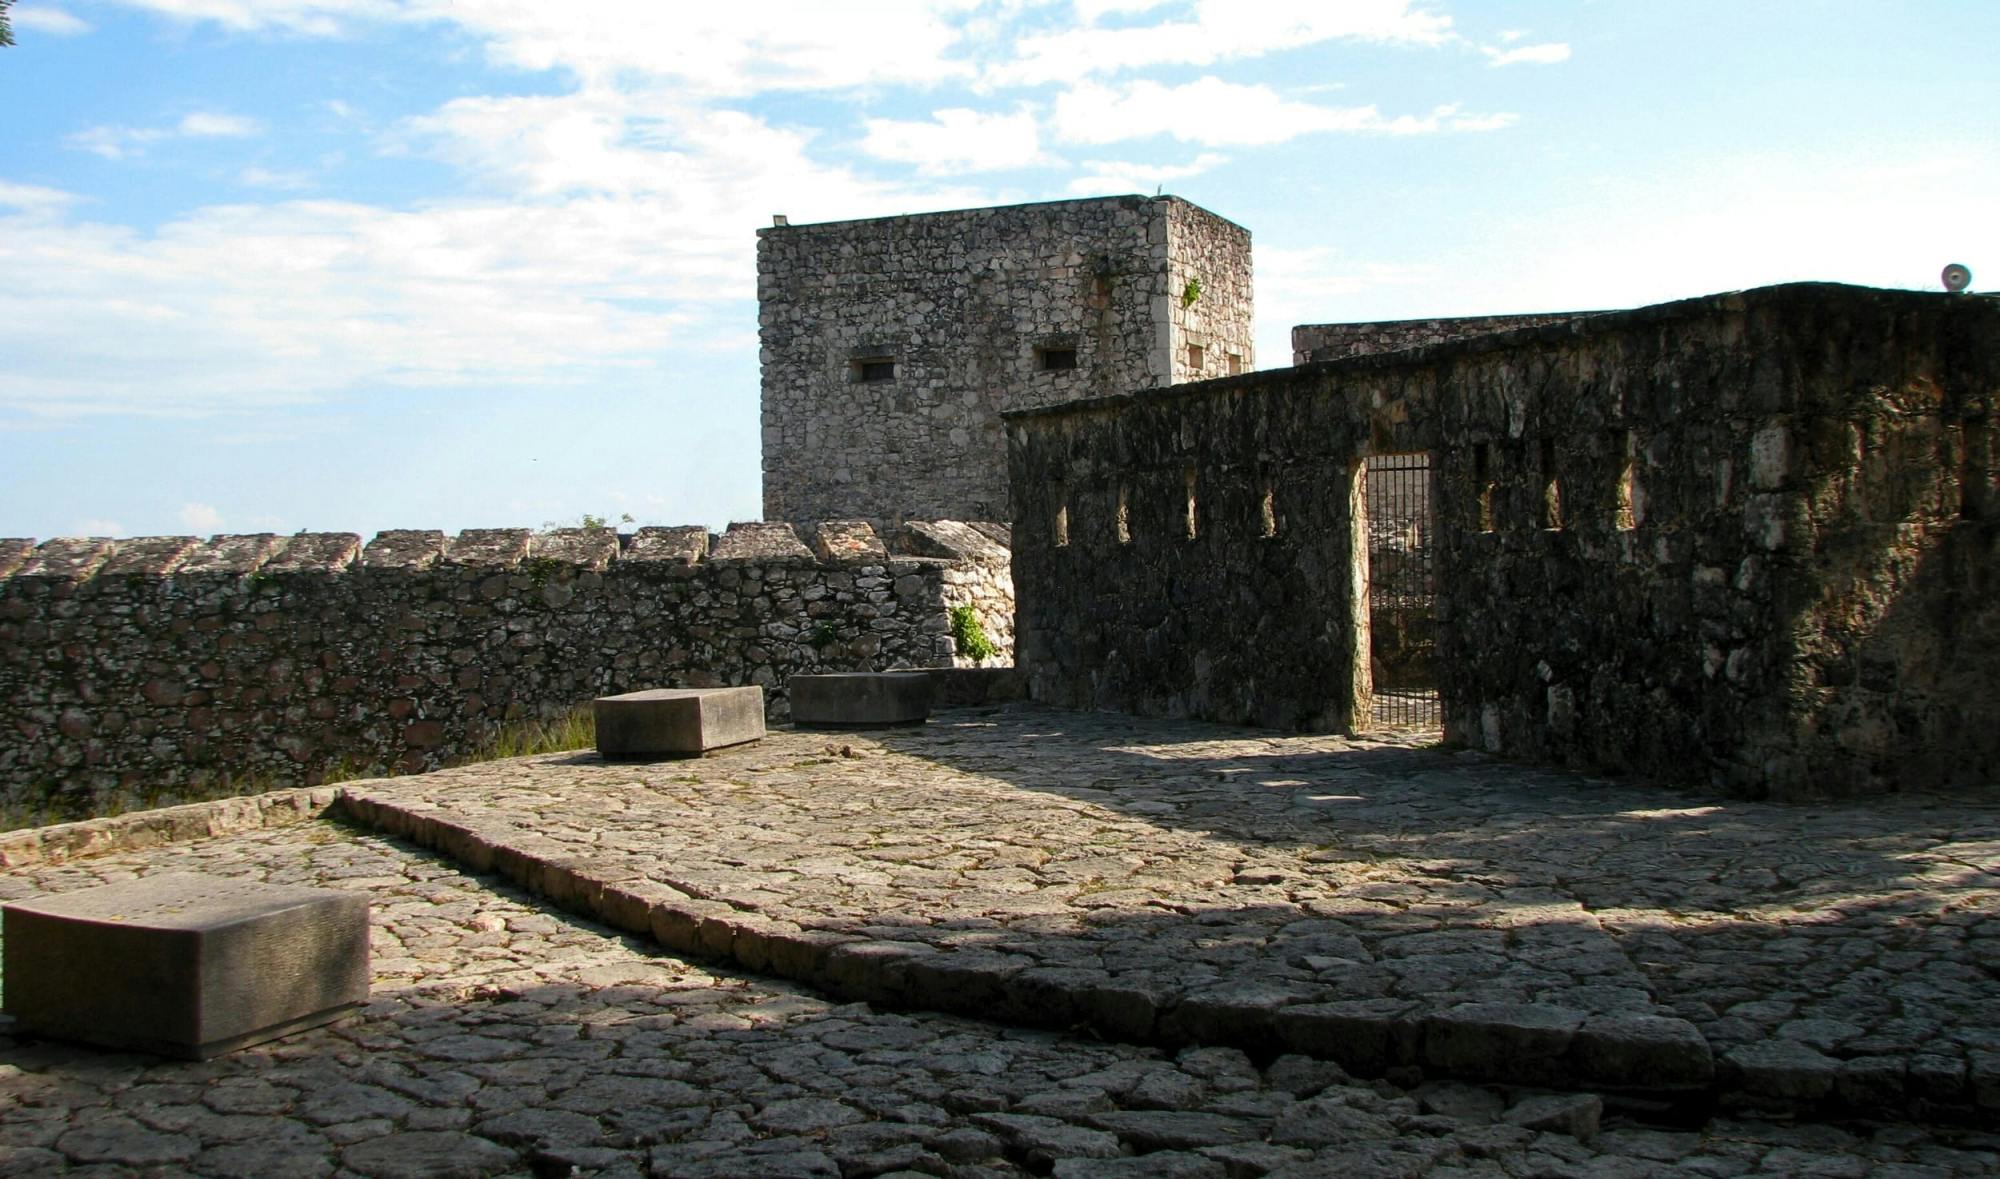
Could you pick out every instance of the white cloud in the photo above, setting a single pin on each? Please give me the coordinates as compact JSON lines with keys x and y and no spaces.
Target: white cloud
{"x":1220,"y":30}
{"x":605,"y":242}
{"x":958,"y":140}
{"x":53,"y":21}
{"x":1110,"y":177}
{"x":1546,"y":53}
{"x":200,"y":518}
{"x":269,"y":178}
{"x":30,"y":198}
{"x":1093,"y":11}
{"x":717,"y":49}
{"x":117,"y":143}
{"x":316,"y":18}
{"x":210,"y":125}
{"x":1218,"y":113}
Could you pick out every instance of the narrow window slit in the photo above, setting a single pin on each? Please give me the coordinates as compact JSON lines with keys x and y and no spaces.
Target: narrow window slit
{"x":1631,"y":498}
{"x":1123,"y":518}
{"x":1482,"y":479}
{"x":1552,"y":506}
{"x":1190,"y":520}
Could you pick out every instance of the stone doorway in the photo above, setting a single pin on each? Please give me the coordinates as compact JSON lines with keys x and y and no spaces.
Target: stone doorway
{"x":1402,"y":591}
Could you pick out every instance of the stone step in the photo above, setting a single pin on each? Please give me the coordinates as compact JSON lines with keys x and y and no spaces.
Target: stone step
{"x":1654,"y":1057}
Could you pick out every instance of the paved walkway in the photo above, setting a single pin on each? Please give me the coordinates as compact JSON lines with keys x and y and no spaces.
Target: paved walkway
{"x":507,"y":1040}
{"x":1385,"y":906}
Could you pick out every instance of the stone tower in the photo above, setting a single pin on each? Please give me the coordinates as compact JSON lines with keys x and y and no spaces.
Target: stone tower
{"x":891,"y":346}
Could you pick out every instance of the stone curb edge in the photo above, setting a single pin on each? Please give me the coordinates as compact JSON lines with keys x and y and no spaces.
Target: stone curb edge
{"x":1652,"y":1057}
{"x":1642,"y":1055}
{"x":60,"y":842}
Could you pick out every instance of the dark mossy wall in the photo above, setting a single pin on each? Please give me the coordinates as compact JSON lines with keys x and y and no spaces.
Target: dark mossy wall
{"x":1747,"y":538}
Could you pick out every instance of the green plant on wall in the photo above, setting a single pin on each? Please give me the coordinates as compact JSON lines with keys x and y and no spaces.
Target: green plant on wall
{"x":969,"y":635}
{"x":588,"y":520}
{"x":1190,"y":292}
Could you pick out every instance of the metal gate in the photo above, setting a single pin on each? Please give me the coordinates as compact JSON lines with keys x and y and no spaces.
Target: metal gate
{"x":1402,"y":591}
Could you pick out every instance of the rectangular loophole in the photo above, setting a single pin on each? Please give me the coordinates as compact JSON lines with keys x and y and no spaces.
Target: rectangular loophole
{"x":1235,"y":364}
{"x":1482,"y":483}
{"x":1122,"y":520}
{"x":1059,"y":526}
{"x":874,"y":369}
{"x":1055,"y":360}
{"x":1552,"y":504}
{"x":1188,"y":519}
{"x":1194,"y":356}
{"x":1631,"y":507}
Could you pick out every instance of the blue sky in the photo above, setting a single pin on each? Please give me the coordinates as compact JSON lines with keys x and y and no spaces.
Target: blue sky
{"x":363,"y":264}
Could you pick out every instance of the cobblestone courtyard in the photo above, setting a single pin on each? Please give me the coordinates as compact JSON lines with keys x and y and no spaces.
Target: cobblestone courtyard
{"x":1524,"y":972}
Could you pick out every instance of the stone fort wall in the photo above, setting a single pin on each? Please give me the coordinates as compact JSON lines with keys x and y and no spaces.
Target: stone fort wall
{"x":1314,"y":342}
{"x":166,"y":664}
{"x":1752,"y":537}
{"x":891,"y":346}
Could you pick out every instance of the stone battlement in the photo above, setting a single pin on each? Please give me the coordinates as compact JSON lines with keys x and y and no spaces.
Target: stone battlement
{"x":174,"y":665}
{"x":75,"y":559}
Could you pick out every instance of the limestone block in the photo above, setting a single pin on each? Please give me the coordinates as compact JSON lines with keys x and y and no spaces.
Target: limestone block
{"x":586,"y":548}
{"x":764,"y":540}
{"x":70,"y":558}
{"x":14,"y":553}
{"x":404,"y":548}
{"x":232,"y":554}
{"x":502,"y":547}
{"x":848,"y":540}
{"x":317,"y":552}
{"x":678,"y":722}
{"x":861,"y":699}
{"x":685,"y":545}
{"x":952,"y":540}
{"x":148,"y":556}
{"x":185,"y":965}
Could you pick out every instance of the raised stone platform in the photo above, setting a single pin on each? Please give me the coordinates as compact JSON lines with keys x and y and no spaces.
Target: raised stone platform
{"x":1386,"y":906}
{"x":185,"y":965}
{"x":504,"y":1039}
{"x":677,"y":722}
{"x":860,"y":699}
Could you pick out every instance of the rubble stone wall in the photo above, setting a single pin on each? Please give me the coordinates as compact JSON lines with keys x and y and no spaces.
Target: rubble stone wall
{"x":890,"y":346}
{"x":166,"y":662}
{"x":1749,"y":539}
{"x":1314,"y":342}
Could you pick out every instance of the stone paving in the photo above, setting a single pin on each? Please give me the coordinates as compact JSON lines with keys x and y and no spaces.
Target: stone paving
{"x":506,"y":1040}
{"x":1381,"y":904}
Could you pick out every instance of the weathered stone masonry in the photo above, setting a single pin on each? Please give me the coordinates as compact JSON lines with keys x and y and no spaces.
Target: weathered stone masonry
{"x":164,"y":661}
{"x":1750,"y":536}
{"x":891,"y":346}
{"x":1314,"y":342}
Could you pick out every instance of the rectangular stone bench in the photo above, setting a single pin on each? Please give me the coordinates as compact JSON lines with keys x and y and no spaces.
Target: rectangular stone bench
{"x":677,"y":722}
{"x":184,"y":965}
{"x":861,"y":699}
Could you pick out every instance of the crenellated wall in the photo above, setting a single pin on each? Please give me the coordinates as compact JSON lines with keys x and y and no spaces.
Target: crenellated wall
{"x":1314,"y":342}
{"x":167,"y":662}
{"x":1752,"y":538}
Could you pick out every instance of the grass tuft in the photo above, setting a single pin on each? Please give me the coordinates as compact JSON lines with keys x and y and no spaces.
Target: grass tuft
{"x":575,"y":729}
